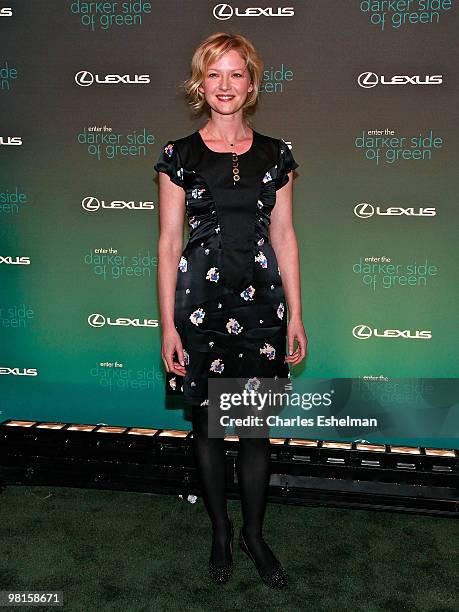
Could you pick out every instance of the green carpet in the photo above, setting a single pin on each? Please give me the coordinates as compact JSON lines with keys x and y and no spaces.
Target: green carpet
{"x":132,"y":551}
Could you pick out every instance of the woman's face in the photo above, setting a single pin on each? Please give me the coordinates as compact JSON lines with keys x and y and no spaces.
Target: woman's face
{"x":226,"y":83}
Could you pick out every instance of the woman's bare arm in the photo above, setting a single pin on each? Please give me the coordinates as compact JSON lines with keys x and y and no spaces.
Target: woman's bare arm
{"x":284,"y":242}
{"x":170,"y":247}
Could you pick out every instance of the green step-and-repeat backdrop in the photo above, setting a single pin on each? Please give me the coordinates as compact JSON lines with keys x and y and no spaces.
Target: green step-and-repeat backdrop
{"x":365,"y":93}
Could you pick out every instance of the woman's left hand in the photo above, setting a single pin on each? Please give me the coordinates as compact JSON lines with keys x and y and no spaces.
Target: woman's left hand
{"x":295,"y":330}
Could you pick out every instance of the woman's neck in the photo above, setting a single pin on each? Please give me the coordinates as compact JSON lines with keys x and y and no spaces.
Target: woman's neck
{"x":227,"y":131}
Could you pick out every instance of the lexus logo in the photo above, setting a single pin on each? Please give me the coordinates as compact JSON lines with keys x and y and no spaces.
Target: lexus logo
{"x":15,"y":141}
{"x":371,"y":79}
{"x":367,"y":79}
{"x":18,"y":371}
{"x":84,"y":78}
{"x":92,"y":204}
{"x":16,"y":261}
{"x":363,"y":332}
{"x":98,"y":320}
{"x":225,"y":11}
{"x":365,"y":211}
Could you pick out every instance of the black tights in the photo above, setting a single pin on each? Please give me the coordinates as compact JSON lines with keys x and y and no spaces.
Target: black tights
{"x":253,"y":470}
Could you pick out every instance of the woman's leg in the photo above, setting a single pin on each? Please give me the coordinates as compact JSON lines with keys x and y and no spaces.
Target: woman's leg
{"x":253,"y":469}
{"x":210,"y":461}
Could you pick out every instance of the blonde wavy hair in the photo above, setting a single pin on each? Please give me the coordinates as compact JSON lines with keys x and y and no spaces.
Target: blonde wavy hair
{"x":209,"y":51}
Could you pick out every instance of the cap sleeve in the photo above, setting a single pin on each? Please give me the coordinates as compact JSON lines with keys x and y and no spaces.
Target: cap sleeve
{"x":169,"y":162}
{"x":285,"y":164}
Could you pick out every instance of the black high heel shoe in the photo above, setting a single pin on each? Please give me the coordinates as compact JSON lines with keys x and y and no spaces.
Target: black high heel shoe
{"x":276,"y":578}
{"x":222,"y":573}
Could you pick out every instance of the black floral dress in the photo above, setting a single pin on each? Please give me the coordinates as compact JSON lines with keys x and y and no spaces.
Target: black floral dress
{"x":230,"y":306}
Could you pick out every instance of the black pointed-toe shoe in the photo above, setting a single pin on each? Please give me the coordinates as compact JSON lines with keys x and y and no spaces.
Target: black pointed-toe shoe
{"x":221,"y":574}
{"x":276,"y":578}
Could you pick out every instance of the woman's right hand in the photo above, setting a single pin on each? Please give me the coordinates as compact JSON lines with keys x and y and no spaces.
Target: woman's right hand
{"x":171,"y":343}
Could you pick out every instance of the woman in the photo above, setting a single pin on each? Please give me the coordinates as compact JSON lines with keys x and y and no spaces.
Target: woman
{"x":223,"y":310}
